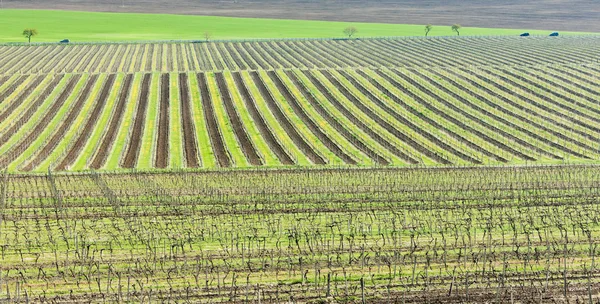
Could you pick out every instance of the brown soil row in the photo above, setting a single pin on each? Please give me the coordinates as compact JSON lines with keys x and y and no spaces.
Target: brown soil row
{"x":300,"y":142}
{"x":310,"y":123}
{"x":109,"y":137}
{"x":31,"y":110}
{"x":71,"y":156}
{"x":414,"y":127}
{"x":24,"y":143}
{"x":161,"y":159}
{"x":359,"y":123}
{"x":238,"y":126}
{"x":261,"y":124}
{"x":331,"y":120}
{"x":496,"y":117}
{"x":216,"y":140}
{"x":68,"y":121}
{"x":189,"y":135}
{"x":22,"y":94}
{"x":135,"y":140}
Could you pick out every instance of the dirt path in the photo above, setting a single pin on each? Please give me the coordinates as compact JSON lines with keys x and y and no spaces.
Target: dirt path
{"x":162,"y":142}
{"x":113,"y":126}
{"x":138,"y":126}
{"x":71,"y":156}
{"x":189,"y":137}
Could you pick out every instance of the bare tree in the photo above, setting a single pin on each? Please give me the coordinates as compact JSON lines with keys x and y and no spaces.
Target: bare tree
{"x":207,"y":36}
{"x":428,"y":29}
{"x":28,"y":33}
{"x":349,"y":31}
{"x":456,"y":28}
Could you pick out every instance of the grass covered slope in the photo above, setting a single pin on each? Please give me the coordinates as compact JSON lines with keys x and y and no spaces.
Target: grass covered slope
{"x":89,"y":26}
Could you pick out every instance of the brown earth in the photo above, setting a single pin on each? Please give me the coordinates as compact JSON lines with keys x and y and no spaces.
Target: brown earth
{"x":573,"y":15}
{"x":138,"y":126}
{"x":162,"y":142}
{"x":187,"y":122}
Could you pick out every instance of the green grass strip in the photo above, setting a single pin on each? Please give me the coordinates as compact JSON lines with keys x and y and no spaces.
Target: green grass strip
{"x":54,"y":124}
{"x":122,"y":140}
{"x":207,"y":156}
{"x":231,"y":143}
{"x":92,"y":144}
{"x":146,"y":157}
{"x":176,"y":131}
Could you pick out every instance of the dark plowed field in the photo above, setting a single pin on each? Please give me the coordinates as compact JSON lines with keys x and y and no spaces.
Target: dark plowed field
{"x":575,"y":15}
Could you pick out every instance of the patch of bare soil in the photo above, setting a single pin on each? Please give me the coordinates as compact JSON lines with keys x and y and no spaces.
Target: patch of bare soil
{"x":572,"y":15}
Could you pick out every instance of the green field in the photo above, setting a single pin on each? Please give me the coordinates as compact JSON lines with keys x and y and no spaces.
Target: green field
{"x":87,"y":26}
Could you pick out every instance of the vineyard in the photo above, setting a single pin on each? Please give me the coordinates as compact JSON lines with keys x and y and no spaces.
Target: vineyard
{"x":434,"y":170}
{"x":454,"y":235}
{"x":339,"y":103}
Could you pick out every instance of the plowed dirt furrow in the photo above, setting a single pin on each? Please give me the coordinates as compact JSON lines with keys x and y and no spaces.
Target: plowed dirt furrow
{"x":238,"y":126}
{"x":216,"y":140}
{"x":262,"y":126}
{"x":22,"y":95}
{"x":71,"y":156}
{"x":285,"y":122}
{"x":334,"y":122}
{"x":189,"y":136}
{"x":113,"y":126}
{"x":135,"y":140}
{"x":310,"y":123}
{"x":161,"y":159}
{"x":24,"y":143}
{"x":30,"y":111}
{"x":58,"y":135}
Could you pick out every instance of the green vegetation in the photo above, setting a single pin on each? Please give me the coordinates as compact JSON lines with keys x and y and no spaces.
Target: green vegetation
{"x":361,"y":235}
{"x":89,"y":26}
